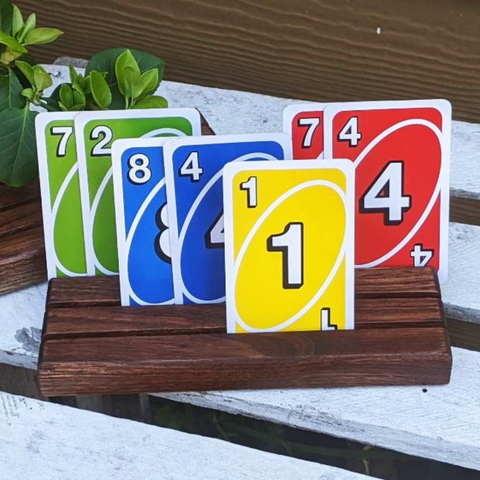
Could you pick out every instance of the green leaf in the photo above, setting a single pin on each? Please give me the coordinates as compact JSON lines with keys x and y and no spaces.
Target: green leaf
{"x":11,"y":43}
{"x":17,"y":21}
{"x":79,"y":101}
{"x":6,"y":14}
{"x":105,"y":62}
{"x":134,"y":81}
{"x":124,"y":61}
{"x":74,"y":76}
{"x":28,"y":93}
{"x":18,"y":166}
{"x":66,"y":95}
{"x":27,"y":71}
{"x":41,"y":36}
{"x":42,"y":79}
{"x":152,"y":101}
{"x":150,"y":81}
{"x":30,"y":24}
{"x":11,"y":92}
{"x":101,"y":91}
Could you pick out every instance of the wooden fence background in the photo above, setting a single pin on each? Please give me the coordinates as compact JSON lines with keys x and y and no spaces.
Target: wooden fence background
{"x":325,"y":50}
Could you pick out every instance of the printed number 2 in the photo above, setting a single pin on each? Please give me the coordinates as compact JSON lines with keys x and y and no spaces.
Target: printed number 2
{"x":65,"y":133}
{"x":350,"y":132}
{"x":290,"y":244}
{"x":105,"y":135}
{"x":312,"y":124}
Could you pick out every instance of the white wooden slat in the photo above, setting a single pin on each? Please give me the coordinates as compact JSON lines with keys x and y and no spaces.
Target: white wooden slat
{"x":441,"y":423}
{"x":43,"y":441}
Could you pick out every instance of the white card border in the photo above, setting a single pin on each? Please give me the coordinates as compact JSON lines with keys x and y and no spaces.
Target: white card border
{"x":168,"y":152}
{"x":445,"y":109}
{"x":42,"y":121}
{"x":231,"y":170}
{"x":191,"y":114}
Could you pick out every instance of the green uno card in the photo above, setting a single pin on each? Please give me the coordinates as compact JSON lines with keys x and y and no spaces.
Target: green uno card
{"x":95,"y":133}
{"x":60,"y":189}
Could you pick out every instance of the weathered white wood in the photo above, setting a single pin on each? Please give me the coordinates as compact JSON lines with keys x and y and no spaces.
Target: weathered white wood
{"x":441,"y":423}
{"x":43,"y":441}
{"x":461,"y":292}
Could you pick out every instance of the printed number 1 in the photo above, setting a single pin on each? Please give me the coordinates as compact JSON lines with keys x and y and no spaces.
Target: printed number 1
{"x":65,"y":133}
{"x":290,"y":244}
{"x":250,"y":186}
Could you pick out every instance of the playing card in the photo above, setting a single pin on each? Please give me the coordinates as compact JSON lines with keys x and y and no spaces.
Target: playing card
{"x":60,"y":190}
{"x":193,"y":168}
{"x":401,"y":154}
{"x":142,"y":222}
{"x":95,"y":133}
{"x":304,"y":124}
{"x":289,"y":240}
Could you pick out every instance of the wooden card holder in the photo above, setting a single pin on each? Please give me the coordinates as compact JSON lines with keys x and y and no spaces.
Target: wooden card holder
{"x":22,"y":247}
{"x":92,"y":345}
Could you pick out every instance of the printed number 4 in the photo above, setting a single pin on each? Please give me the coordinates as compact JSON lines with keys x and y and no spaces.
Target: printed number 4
{"x":65,"y":133}
{"x":290,"y":244}
{"x":312,"y":124}
{"x":350,"y":132}
{"x":191,"y":168}
{"x":385,"y":195}
{"x":420,"y":256}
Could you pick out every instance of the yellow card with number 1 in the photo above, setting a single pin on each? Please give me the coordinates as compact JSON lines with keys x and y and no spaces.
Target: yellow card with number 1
{"x":289,"y":245}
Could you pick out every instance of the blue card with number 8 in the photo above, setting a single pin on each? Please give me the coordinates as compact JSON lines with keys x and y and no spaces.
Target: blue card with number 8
{"x":142,"y":222}
{"x":193,"y":171}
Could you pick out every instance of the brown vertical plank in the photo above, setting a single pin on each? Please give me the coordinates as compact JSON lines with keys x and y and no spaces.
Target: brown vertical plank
{"x":322,"y":50}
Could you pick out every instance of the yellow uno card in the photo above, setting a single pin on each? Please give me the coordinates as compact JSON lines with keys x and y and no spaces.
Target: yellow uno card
{"x":289,"y":245}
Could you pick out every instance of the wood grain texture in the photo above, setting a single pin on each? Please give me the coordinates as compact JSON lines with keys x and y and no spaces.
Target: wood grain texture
{"x":465,"y":210}
{"x":369,"y":283}
{"x":91,"y":345}
{"x":98,"y":321}
{"x":321,"y":50}
{"x":22,"y":259}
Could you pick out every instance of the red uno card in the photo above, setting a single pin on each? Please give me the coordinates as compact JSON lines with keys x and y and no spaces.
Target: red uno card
{"x":304,"y":123}
{"x":401,"y":152}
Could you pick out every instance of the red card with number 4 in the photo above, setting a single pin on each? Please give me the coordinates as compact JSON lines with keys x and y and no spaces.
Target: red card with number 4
{"x":304,"y":124}
{"x":401,"y":152}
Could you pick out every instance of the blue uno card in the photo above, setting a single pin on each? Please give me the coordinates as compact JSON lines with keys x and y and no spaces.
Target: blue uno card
{"x":142,"y":222}
{"x":193,"y":170}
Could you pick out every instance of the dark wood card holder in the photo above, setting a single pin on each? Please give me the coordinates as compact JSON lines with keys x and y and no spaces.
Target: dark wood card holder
{"x":92,"y":345}
{"x":22,"y":247}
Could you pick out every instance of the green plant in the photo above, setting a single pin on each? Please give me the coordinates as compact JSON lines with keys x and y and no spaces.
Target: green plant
{"x":114,"y":79}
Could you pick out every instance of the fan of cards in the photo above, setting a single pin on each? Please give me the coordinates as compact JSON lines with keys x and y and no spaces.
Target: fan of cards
{"x":273,"y":224}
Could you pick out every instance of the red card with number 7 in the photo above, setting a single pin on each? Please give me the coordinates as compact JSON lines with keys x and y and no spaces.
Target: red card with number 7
{"x":304,"y":124}
{"x":401,"y":152}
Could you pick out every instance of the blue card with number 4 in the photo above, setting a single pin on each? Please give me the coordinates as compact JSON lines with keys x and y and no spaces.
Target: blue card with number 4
{"x":142,"y":222}
{"x":193,"y":172}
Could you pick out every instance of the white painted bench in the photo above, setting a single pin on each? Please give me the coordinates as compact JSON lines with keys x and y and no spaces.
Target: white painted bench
{"x":442,"y":423}
{"x":44,"y":441}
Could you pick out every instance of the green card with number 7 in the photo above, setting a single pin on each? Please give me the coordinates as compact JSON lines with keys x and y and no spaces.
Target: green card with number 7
{"x":60,"y":189}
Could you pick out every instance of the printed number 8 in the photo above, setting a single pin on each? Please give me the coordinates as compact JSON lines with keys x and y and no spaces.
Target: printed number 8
{"x":139,"y":164}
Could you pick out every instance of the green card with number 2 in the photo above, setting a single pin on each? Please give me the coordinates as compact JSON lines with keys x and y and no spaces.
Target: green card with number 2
{"x":95,"y":133}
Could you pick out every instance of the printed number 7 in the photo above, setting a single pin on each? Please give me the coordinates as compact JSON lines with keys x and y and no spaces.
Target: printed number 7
{"x":65,"y":133}
{"x":312,"y":124}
